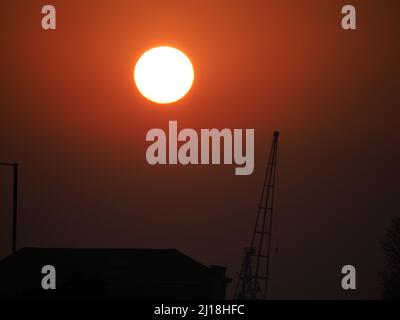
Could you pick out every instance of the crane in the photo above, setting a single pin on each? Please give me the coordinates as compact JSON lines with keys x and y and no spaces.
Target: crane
{"x":254,"y":274}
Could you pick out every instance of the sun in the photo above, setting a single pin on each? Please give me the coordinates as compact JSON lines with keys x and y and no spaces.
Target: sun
{"x":164,"y":75}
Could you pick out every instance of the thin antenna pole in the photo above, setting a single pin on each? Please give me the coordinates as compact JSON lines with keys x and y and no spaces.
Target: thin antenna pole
{"x":15,"y":203}
{"x":15,"y":207}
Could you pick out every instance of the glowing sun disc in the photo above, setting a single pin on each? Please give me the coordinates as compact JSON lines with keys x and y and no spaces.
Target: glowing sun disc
{"x":164,"y":74}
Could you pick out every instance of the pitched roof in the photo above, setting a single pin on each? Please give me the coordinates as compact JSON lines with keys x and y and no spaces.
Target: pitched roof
{"x":154,"y":264}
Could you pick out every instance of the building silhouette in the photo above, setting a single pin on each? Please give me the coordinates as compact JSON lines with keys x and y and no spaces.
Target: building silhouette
{"x":138,"y":274}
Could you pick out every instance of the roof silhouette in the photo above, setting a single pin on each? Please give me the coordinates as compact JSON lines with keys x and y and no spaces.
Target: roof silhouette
{"x":111,"y":273}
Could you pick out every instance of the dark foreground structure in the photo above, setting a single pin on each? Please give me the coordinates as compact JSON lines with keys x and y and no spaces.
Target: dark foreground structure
{"x":139,"y":274}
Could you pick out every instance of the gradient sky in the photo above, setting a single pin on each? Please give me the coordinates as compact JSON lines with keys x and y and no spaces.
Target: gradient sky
{"x":74,"y":120}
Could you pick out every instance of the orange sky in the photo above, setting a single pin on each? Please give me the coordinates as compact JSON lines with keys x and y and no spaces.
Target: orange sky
{"x":72,"y":117}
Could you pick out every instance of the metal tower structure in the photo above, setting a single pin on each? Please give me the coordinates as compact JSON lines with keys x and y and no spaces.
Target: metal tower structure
{"x":253,"y":277}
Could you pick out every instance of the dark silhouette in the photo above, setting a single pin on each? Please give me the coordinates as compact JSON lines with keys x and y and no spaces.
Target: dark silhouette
{"x":391,"y":248}
{"x":15,"y":202}
{"x":137,"y":274}
{"x":254,"y":273}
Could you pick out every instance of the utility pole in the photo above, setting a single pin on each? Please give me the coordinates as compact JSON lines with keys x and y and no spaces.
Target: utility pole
{"x":254,"y":274}
{"x":15,"y":203}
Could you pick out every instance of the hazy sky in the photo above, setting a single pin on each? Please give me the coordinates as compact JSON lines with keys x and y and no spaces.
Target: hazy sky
{"x":74,"y":120}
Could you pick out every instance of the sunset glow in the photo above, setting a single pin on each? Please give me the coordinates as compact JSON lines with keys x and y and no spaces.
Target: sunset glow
{"x":163,"y":75}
